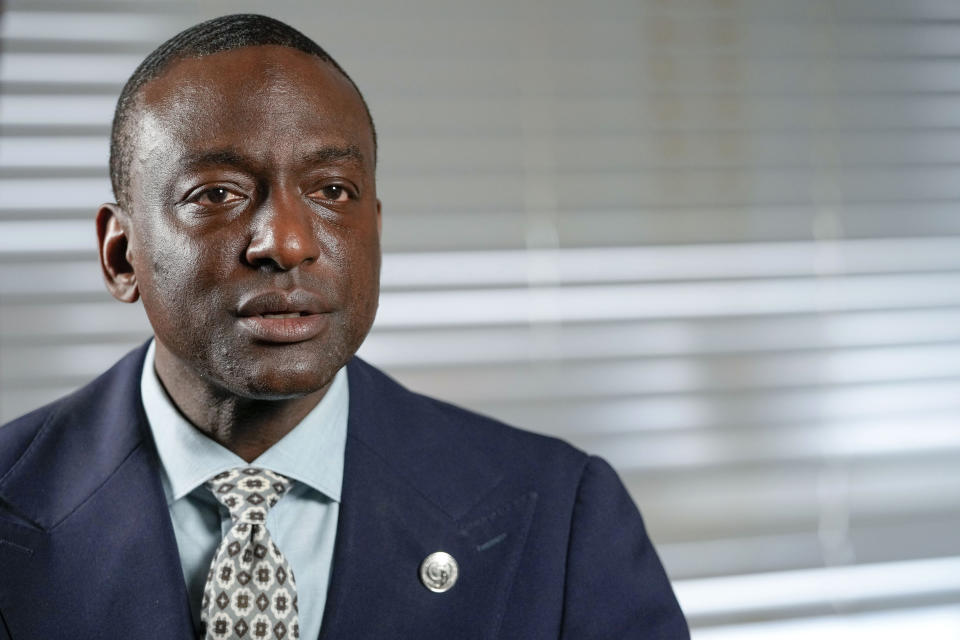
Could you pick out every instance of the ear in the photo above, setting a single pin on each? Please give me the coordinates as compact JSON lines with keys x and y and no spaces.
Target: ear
{"x":113,"y":235}
{"x":379,"y":219}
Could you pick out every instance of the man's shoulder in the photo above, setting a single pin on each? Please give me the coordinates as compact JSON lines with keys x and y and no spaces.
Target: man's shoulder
{"x":75,"y":411}
{"x":501,"y":438}
{"x":16,"y":435}
{"x":444,"y":425}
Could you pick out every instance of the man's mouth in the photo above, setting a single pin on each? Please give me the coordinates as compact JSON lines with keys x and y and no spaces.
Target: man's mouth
{"x":282,"y":317}
{"x":280,"y":303}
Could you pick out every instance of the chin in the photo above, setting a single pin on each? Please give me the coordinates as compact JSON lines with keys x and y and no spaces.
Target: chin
{"x":285,"y":384}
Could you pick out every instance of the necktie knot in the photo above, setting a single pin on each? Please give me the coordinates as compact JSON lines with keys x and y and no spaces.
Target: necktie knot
{"x":248,"y":492}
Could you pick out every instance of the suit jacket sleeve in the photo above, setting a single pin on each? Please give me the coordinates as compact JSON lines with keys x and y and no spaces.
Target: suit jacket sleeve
{"x":615,"y":585}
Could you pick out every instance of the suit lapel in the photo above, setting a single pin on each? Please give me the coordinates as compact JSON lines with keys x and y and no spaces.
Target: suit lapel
{"x":94,"y":549}
{"x":410,"y":489}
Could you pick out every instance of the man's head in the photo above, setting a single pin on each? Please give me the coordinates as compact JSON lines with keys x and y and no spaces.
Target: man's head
{"x":248,"y":224}
{"x":213,"y":36}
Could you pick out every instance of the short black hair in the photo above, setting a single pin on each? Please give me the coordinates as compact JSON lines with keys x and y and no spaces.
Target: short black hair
{"x":213,"y":36}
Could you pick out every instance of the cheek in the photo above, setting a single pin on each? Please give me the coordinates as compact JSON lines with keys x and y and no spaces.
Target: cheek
{"x":363,"y":266}
{"x":179,"y":272}
{"x":360,"y":258}
{"x":352,"y":254}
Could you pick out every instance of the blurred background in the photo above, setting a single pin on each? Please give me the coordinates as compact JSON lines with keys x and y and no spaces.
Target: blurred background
{"x":716,"y":242}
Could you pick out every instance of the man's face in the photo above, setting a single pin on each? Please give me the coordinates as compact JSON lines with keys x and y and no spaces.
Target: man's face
{"x":254,"y":225}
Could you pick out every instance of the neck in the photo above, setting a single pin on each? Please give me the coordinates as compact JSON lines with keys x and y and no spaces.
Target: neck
{"x":246,"y":426}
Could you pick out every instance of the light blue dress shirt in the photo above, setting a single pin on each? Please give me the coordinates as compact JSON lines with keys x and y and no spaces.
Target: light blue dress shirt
{"x":303,"y":524}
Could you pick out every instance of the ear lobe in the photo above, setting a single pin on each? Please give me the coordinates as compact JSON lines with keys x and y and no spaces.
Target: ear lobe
{"x":113,"y":240}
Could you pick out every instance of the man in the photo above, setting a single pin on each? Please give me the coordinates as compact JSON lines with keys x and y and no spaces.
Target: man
{"x":243,"y":474}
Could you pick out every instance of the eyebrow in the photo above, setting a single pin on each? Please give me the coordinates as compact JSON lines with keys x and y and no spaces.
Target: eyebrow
{"x":215,"y":157}
{"x":329,"y":154}
{"x":230,"y":157}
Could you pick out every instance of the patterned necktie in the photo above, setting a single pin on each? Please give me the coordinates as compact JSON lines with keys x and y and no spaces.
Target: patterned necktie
{"x":250,"y":590}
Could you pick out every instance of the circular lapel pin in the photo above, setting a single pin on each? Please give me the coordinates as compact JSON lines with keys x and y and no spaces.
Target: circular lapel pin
{"x":439,"y":571}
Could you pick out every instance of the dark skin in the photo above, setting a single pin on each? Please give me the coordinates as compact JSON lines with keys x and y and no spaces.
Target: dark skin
{"x":252,"y":237}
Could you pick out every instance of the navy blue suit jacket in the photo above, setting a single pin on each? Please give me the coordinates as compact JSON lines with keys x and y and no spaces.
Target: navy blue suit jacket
{"x":549,"y":544}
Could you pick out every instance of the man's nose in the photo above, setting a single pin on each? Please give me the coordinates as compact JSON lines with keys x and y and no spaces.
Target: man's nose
{"x":284,"y":234}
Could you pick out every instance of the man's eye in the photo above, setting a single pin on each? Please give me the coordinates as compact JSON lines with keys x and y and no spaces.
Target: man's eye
{"x":216,"y":195}
{"x":333,"y":192}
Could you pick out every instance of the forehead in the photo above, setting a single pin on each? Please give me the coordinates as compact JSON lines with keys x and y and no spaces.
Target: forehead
{"x":268,"y":96}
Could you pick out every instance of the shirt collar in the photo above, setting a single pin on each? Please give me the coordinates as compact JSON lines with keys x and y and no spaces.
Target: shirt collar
{"x":311,"y":453}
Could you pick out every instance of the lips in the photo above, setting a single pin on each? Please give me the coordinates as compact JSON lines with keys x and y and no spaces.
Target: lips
{"x":283,"y":317}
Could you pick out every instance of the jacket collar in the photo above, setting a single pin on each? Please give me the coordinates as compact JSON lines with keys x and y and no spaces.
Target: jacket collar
{"x":411,"y":434}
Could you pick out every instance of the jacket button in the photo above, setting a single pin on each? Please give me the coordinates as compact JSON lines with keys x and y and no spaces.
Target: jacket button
{"x":439,"y":571}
